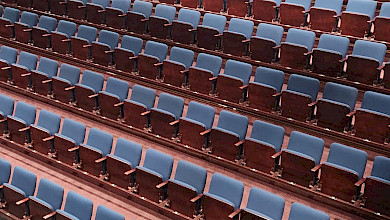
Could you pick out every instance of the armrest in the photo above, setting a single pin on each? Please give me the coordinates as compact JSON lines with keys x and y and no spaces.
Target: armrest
{"x":69,"y":88}
{"x":145,"y":113}
{"x":316,"y":168}
{"x":308,"y":53}
{"x":312,"y":104}
{"x":174,"y":122}
{"x":145,"y":19}
{"x":132,"y":58}
{"x":6,"y":68}
{"x":101,"y":160}
{"x":66,"y":40}
{"x":46,"y":81}
{"x":46,"y":35}
{"x":277,"y":155}
{"x":276,"y":47}
{"x":26,"y":74}
{"x":277,"y":94}
{"x":101,"y":11}
{"x":235,"y":213}
{"x":3,"y":120}
{"x":24,"y":129}
{"x":48,"y":138}
{"x":158,"y":64}
{"x":196,"y":198}
{"x":184,"y":71}
{"x":73,"y":149}
{"x":81,"y":6}
{"x":27,"y":30}
{"x":118,"y":104}
{"x":122,"y":15}
{"x":218,"y":35}
{"x":159,"y":186}
{"x":360,"y":182}
{"x":88,"y":45}
{"x":129,"y":172}
{"x":343,"y":60}
{"x":246,"y":41}
{"x":243,"y":87}
{"x":213,"y":78}
{"x":191,"y":30}
{"x":2,"y":186}
{"x":205,"y":132}
{"x":49,"y":215}
{"x":93,"y":96}
{"x":381,"y":67}
{"x":351,"y":114}
{"x":109,"y":51}
{"x":167,"y":25}
{"x":22,"y":201}
{"x":239,"y":143}
{"x":9,"y":25}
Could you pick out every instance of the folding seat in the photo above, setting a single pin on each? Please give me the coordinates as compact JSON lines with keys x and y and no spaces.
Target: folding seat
{"x":233,"y":83}
{"x":76,"y":9}
{"x":156,"y":169}
{"x":209,"y":33}
{"x":168,"y":110}
{"x":301,"y":91}
{"x":226,"y":139}
{"x":266,"y":140}
{"x":159,"y":23}
{"x":261,"y":92}
{"x":124,"y":55}
{"x":41,"y":77}
{"x":103,"y":213}
{"x":22,"y":186}
{"x":116,"y":91}
{"x":199,"y":118}
{"x":24,"y":116}
{"x":373,"y":117}
{"x":188,"y":183}
{"x":5,"y":174}
{"x":263,"y":46}
{"x":47,"y":200}
{"x":153,"y":54}
{"x":24,"y":3}
{"x":356,"y":19}
{"x":78,"y":44}
{"x":68,"y":77}
{"x":41,"y":5}
{"x":96,"y":11}
{"x":60,"y":39}
{"x":336,"y":103}
{"x":10,"y":16}
{"x":263,"y":205}
{"x":183,"y":29}
{"x":343,"y":169}
{"x":26,"y":63}
{"x":91,"y":84}
{"x":326,"y":57}
{"x":202,"y":77}
{"x":141,"y":100}
{"x":58,"y":7}
{"x":237,"y":8}
{"x":223,"y":198}
{"x":8,"y":56}
{"x":299,"y":211}
{"x":265,"y":10}
{"x":40,"y":34}
{"x":175,"y":69}
{"x":293,"y":52}
{"x":116,"y":14}
{"x":135,"y":20}
{"x":189,"y":3}
{"x":382,"y":23}
{"x":324,"y":13}
{"x":294,"y":12}
{"x":101,"y":50}
{"x":6,"y":109}
{"x":303,"y":153}
{"x":214,"y":5}
{"x":235,"y":39}
{"x":22,"y":28}
{"x":363,"y":65}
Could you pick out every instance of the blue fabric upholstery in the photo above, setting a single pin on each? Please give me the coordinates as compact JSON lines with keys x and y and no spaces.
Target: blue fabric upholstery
{"x":334,"y":5}
{"x":333,"y":43}
{"x":93,"y":80}
{"x":235,"y":123}
{"x":143,"y":7}
{"x":129,"y":151}
{"x":123,"y":5}
{"x":217,"y":22}
{"x":307,"y":145}
{"x":100,"y":140}
{"x":376,"y":51}
{"x":201,"y":113}
{"x":385,"y":10}
{"x":6,"y":105}
{"x":265,"y":203}
{"x":87,"y":32}
{"x":11,"y":14}
{"x":270,"y":77}
{"x":143,"y":95}
{"x":48,"y":67}
{"x":104,"y":213}
{"x":78,"y":206}
{"x":191,"y":174}
{"x":5,"y":171}
{"x":270,"y":32}
{"x":28,"y":60}
{"x":117,"y":87}
{"x":189,"y":16}
{"x":1,"y":10}
{"x":73,"y":130}
{"x":381,"y":168}
{"x":49,"y":121}
{"x":109,"y":38}
{"x":24,"y":180}
{"x":155,"y":49}
{"x":305,"y":3}
{"x":227,"y":188}
{"x":25,"y":112}
{"x":47,"y":23}
{"x":165,"y":11}
{"x":171,"y":103}
{"x":8,"y":54}
{"x":301,"y":38}
{"x":241,"y":26}
{"x":269,"y":133}
{"x":102,"y":3}
{"x":51,"y":193}
{"x":133,"y":44}
{"x":304,"y":84}
{"x":159,"y":162}
{"x":377,"y":102}
{"x":362,"y":7}
{"x":31,"y":19}
{"x":302,"y":212}
{"x":183,"y":56}
{"x":239,"y":70}
{"x":340,"y":93}
{"x":209,"y":62}
{"x":67,"y":27}
{"x":70,"y":73}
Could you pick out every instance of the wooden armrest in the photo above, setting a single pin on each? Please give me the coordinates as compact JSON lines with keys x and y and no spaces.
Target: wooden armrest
{"x":88,"y":45}
{"x":308,"y":53}
{"x":218,"y":35}
{"x":360,"y":182}
{"x":205,"y":132}
{"x":73,"y":149}
{"x":122,"y":15}
{"x":100,"y":11}
{"x":63,"y":3}
{"x":191,"y":30}
{"x":196,"y":198}
{"x":145,"y":113}
{"x":93,"y":96}
{"x":277,"y":155}
{"x":24,"y":129}
{"x":118,"y":104}
{"x":312,"y":104}
{"x":46,"y":81}
{"x":167,"y":25}
{"x":48,"y":138}
{"x":2,"y":186}
{"x":65,"y":40}
{"x":6,"y":68}
{"x":69,"y":88}
{"x":26,"y":74}
{"x":129,"y":172}
{"x":46,"y":35}
{"x":132,"y":58}
{"x":158,"y":64}
{"x":101,"y":160}
{"x":351,"y":114}
{"x":213,"y":78}
{"x":3,"y":120}
{"x":9,"y":25}
{"x":22,"y":201}
{"x":316,"y":168}
{"x":109,"y":51}
{"x":145,"y":19}
{"x":239,"y":143}
{"x":49,"y":215}
{"x":159,"y":186}
{"x":174,"y":122}
{"x":81,"y":6}
{"x":381,"y":67}
{"x":184,"y":71}
{"x":277,"y":94}
{"x":276,"y":47}
{"x":246,"y":41}
{"x":27,"y":30}
{"x":243,"y":87}
{"x":235,"y":213}
{"x":343,"y":60}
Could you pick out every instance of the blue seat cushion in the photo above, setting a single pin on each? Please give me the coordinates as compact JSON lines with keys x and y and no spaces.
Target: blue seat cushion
{"x":110,"y":94}
{"x":16,"y":189}
{"x":220,"y":198}
{"x":137,"y":103}
{"x":150,"y":171}
{"x":163,"y":111}
{"x":193,"y":121}
{"x":257,"y":213}
{"x":42,"y":202}
{"x":262,"y":142}
{"x":92,"y":148}
{"x":120,"y":159}
{"x":184,"y":184}
{"x":17,"y":119}
{"x":42,"y":128}
{"x":380,"y":179}
{"x":226,"y":131}
{"x":87,"y":87}
{"x":300,"y":154}
{"x":341,"y":167}
{"x":65,"y":137}
{"x":67,"y":214}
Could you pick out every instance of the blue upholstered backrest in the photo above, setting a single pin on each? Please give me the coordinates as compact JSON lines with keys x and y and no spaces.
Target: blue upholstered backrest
{"x":123,"y":5}
{"x":100,"y":140}
{"x":238,"y":69}
{"x":370,"y":49}
{"x":47,"y":23}
{"x":104,"y":213}
{"x":183,"y":56}
{"x":191,"y":174}
{"x":340,"y":93}
{"x":159,"y":162}
{"x":24,"y":180}
{"x":132,"y":43}
{"x":110,"y":38}
{"x":117,"y":87}
{"x":49,"y":121}
{"x":25,"y":112}
{"x":1,"y":10}
{"x":201,"y":113}
{"x":31,"y":19}
{"x":158,"y":50}
{"x":79,"y":206}
{"x":304,"y":3}
{"x":103,"y":3}
{"x":362,"y":7}
{"x":215,"y":21}
{"x":129,"y":151}
{"x":143,"y":7}
{"x":189,"y":16}
{"x":233,"y":122}
{"x":301,"y":37}
{"x":266,"y":203}
{"x":165,"y":11}
{"x":143,"y":95}
{"x":334,"y":43}
{"x":48,"y":66}
{"x":334,"y":5}
{"x":300,"y":212}
{"x":209,"y":62}
{"x":67,"y":27}
{"x":6,"y":105}
{"x":376,"y":102}
{"x":5,"y":171}
{"x":8,"y":54}
{"x":74,"y":130}
{"x":28,"y":60}
{"x":171,"y":103}
{"x":271,"y":77}
{"x":11,"y":14}
{"x":93,"y":80}
{"x":348,"y":157}
{"x":385,"y":10}
{"x":269,"y":133}
{"x":271,"y":32}
{"x":227,"y":188}
{"x":241,"y":26}
{"x":70,"y":73}
{"x":306,"y":144}
{"x":304,"y":84}
{"x":381,"y":167}
{"x":51,"y":193}
{"x":87,"y":32}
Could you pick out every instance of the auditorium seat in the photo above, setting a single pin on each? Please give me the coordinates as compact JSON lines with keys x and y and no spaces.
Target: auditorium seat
{"x":382,"y":23}
{"x":266,"y":139}
{"x":24,"y":3}
{"x":209,"y":33}
{"x":324,"y":15}
{"x":5,"y":174}
{"x":357,"y":17}
{"x":337,"y":101}
{"x":303,"y":153}
{"x":60,"y":39}
{"x":67,"y":77}
{"x":104,"y":213}
{"x":364,"y":64}
{"x":233,"y":83}
{"x":24,"y":116}
{"x":76,"y":9}
{"x":199,"y":118}
{"x":125,"y":54}
{"x":223,"y":198}
{"x":85,"y":36}
{"x":10,"y":16}
{"x":266,"y":10}
{"x":102,"y":50}
{"x":40,"y":34}
{"x":263,"y":46}
{"x":202,"y":77}
{"x":343,"y":169}
{"x":227,"y":138}
{"x":153,"y":54}
{"x":26,"y":63}
{"x":135,"y":20}
{"x":175,"y":69}
{"x":95,"y":11}
{"x":22,"y":27}
{"x":293,"y":51}
{"x":261,"y":92}
{"x":184,"y":28}
{"x":6,"y":109}
{"x":326,"y":57}
{"x":41,"y":5}
{"x":214,"y":5}
{"x":91,"y":84}
{"x":294,"y":12}
{"x":8,"y":56}
{"x":58,"y":7}
{"x":76,"y":207}
{"x":21,"y":187}
{"x":40,"y":78}
{"x":156,"y":169}
{"x":235,"y":39}
{"x":189,"y":3}
{"x":263,"y":205}
{"x":238,"y":8}
{"x":141,"y":100}
{"x":299,"y":212}
{"x":116,"y":14}
{"x":300,"y":92}
{"x":159,"y":23}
